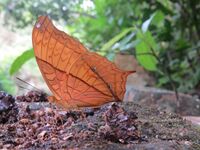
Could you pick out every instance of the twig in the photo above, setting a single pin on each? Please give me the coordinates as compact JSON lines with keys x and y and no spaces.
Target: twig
{"x":166,"y":72}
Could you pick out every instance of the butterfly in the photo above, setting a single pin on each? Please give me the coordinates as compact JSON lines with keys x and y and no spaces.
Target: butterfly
{"x":76,"y":77}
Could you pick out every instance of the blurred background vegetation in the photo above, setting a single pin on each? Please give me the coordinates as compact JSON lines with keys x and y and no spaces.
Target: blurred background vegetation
{"x":163,"y":35}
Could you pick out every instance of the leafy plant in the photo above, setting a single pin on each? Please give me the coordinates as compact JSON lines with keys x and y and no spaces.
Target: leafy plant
{"x":163,"y":35}
{"x":20,"y":60}
{"x":6,"y":83}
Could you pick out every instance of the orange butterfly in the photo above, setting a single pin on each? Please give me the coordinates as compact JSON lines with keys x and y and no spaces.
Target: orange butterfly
{"x":75,"y":76}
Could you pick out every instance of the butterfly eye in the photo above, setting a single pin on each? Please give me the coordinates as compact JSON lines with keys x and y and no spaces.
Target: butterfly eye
{"x":38,"y":25}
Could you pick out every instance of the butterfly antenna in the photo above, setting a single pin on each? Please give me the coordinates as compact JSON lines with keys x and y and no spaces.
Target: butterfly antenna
{"x":23,"y":87}
{"x":28,"y":84}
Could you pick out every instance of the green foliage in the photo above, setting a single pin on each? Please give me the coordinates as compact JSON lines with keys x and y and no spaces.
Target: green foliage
{"x":6,"y":82}
{"x":144,"y":51}
{"x":165,"y":41}
{"x":22,"y":13}
{"x":155,"y":19}
{"x":163,"y":35}
{"x":115,"y":39}
{"x":20,"y":60}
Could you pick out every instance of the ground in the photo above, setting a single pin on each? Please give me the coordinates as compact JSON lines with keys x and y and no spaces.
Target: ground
{"x":38,"y":125}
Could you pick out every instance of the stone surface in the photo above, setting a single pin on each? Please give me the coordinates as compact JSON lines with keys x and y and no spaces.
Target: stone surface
{"x":165,"y":100}
{"x":127,"y":62}
{"x":195,"y":120}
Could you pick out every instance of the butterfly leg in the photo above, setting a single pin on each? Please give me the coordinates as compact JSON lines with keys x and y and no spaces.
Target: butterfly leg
{"x":75,"y":107}
{"x":52,"y":100}
{"x":83,"y":116}
{"x":90,"y":125}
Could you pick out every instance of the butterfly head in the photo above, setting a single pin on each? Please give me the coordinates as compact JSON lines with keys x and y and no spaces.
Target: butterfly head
{"x":42,"y":23}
